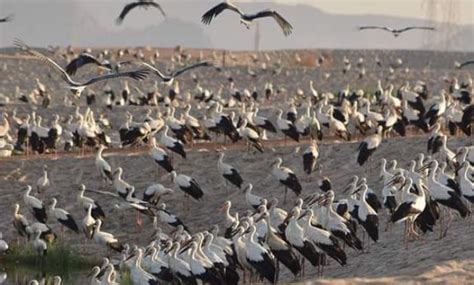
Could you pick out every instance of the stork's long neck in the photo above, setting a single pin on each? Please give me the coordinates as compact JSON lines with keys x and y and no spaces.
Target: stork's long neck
{"x":138,"y":261}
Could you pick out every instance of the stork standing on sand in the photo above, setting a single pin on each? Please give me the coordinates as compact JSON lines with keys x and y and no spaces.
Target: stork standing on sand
{"x":286,"y":176}
{"x":103,"y":166}
{"x":369,"y":145}
{"x":229,"y":172}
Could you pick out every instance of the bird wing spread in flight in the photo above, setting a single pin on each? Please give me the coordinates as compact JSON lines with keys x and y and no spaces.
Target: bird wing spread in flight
{"x":49,"y":61}
{"x":130,"y":6}
{"x":135,"y":74}
{"x":284,"y":24}
{"x":125,"y":11}
{"x":158,"y":6}
{"x":376,"y":28}
{"x":81,"y":60}
{"x":216,"y":10}
{"x":416,"y":28}
{"x":469,"y":62}
{"x":152,"y":68}
{"x":6,"y":19}
{"x":184,"y":69}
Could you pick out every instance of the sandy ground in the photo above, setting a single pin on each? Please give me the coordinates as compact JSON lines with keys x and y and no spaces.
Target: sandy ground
{"x":449,"y":259}
{"x":432,"y":260}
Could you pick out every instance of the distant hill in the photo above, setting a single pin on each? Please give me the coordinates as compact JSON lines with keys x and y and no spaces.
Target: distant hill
{"x":43,"y":22}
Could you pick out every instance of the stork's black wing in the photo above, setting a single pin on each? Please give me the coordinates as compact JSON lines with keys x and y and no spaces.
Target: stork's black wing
{"x":376,"y":28}
{"x":184,"y":69}
{"x":44,"y":58}
{"x":158,"y":6}
{"x":469,"y":62}
{"x":282,"y":22}
{"x":6,"y":19}
{"x":125,"y":11}
{"x":78,"y":62}
{"x":136,"y":74}
{"x":216,"y":10}
{"x":416,"y":28}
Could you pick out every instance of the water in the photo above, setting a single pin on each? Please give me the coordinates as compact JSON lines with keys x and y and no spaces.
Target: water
{"x":20,"y":275}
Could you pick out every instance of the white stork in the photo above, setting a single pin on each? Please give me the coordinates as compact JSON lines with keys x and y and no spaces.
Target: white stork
{"x":188,"y":185}
{"x":106,"y":239}
{"x":263,"y":122}
{"x":283,"y":252}
{"x":465,"y":183}
{"x":286,"y":177}
{"x":369,"y":145}
{"x":310,"y":156}
{"x":19,"y":221}
{"x":166,"y":217}
{"x":153,"y":193}
{"x":103,"y":166}
{"x":138,"y":275}
{"x":160,"y":156}
{"x":287,"y":127}
{"x":445,"y":195}
{"x":63,"y":217}
{"x":228,"y":172}
{"x":121,"y":186}
{"x":260,"y":257}
{"x":323,"y":239}
{"x":294,"y":234}
{"x":36,"y":206}
{"x":181,"y":269}
{"x":366,"y":215}
{"x":43,"y":182}
{"x":201,"y":267}
{"x":40,"y":246}
{"x":88,"y":223}
{"x":3,"y":244}
{"x":252,"y":137}
{"x":252,"y":200}
{"x":171,"y":143}
{"x":85,"y":202}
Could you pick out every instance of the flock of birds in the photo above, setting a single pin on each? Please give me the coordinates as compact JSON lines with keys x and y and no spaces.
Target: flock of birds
{"x":257,"y":244}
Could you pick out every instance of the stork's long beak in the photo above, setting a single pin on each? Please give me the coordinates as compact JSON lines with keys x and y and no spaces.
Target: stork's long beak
{"x":221,"y":208}
{"x":129,"y":257}
{"x":348,"y":187}
{"x":185,"y":247}
{"x":234,"y":232}
{"x":147,"y":252}
{"x":303,"y":215}
{"x":424,"y":167}
{"x":320,"y":200}
{"x":356,"y":191}
{"x":288,"y":217}
{"x":395,"y":179}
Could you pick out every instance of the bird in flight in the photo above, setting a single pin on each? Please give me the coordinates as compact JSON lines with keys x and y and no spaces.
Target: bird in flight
{"x":246,"y":19}
{"x":169,"y":79}
{"x":140,"y":3}
{"x":461,"y":65}
{"x":6,"y":19}
{"x":395,"y":32}
{"x":77,"y":87}
{"x":84,"y":59}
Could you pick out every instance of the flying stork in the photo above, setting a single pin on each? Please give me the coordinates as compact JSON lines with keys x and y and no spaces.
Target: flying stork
{"x":246,"y":19}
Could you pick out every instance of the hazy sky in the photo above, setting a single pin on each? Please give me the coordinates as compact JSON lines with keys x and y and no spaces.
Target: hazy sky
{"x":406,"y":8}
